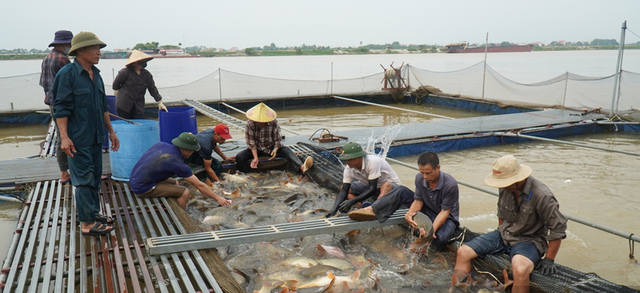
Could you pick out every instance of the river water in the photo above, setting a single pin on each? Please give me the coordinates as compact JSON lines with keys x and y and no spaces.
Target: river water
{"x":590,"y":184}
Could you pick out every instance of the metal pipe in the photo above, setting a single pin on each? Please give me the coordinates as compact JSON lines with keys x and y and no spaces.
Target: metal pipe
{"x":564,"y":142}
{"x":243,"y":112}
{"x":390,"y":107}
{"x":617,"y":123}
{"x":620,"y":233}
{"x":618,"y":65}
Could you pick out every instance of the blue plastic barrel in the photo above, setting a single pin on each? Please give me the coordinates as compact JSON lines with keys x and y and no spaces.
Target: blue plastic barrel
{"x":112,"y":109}
{"x":134,"y":141}
{"x":176,"y":121}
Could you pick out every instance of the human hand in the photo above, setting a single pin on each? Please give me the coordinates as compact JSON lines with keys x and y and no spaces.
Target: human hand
{"x":230,"y":158}
{"x":346,"y":205}
{"x":223,"y":201}
{"x":409,"y":218}
{"x":330,"y":214}
{"x":68,"y":147}
{"x":161,"y":106}
{"x":547,"y":266}
{"x":274,"y":152}
{"x":115,"y":142}
{"x":254,"y":163}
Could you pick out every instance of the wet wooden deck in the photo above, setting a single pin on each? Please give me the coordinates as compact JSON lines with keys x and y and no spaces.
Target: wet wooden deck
{"x":49,"y":254}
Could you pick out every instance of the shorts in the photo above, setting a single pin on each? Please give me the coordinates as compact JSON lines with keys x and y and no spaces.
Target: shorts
{"x":167,"y":188}
{"x":492,"y":243}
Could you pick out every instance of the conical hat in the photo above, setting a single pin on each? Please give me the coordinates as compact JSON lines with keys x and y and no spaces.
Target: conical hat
{"x":261,"y":113}
{"x":138,"y":55}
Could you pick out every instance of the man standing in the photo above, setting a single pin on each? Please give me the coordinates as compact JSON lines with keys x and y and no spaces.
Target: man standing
{"x":151,"y":175}
{"x":50,"y":66}
{"x":262,"y":134}
{"x":365,"y":176}
{"x":530,"y":224}
{"x":81,"y":110}
{"x":209,"y":141}
{"x":437,"y":197}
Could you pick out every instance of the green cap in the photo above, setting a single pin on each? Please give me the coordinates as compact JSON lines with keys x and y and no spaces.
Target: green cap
{"x":186,"y":140}
{"x":84,"y":39}
{"x":352,"y":150}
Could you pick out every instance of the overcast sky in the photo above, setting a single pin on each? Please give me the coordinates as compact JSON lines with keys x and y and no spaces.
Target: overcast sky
{"x":256,"y":23}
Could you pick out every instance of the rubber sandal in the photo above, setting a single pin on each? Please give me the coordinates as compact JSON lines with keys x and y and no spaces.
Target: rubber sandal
{"x":104,"y":177}
{"x":98,"y":230}
{"x":65,"y":181}
{"x":308,"y":163}
{"x":104,"y":219}
{"x":362,"y":215}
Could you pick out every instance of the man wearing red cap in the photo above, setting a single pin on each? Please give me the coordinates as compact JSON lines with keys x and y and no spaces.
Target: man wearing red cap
{"x":209,"y":141}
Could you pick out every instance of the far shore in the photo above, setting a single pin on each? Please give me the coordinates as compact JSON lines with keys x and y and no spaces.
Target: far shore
{"x":356,"y":51}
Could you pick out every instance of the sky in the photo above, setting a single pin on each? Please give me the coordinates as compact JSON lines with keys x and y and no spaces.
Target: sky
{"x":343,"y":23}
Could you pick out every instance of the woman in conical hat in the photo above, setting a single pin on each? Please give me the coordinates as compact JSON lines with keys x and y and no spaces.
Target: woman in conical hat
{"x":130,"y":85}
{"x":263,"y":138}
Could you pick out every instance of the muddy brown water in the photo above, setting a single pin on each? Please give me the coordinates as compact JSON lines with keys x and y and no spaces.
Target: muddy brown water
{"x":591,"y":184}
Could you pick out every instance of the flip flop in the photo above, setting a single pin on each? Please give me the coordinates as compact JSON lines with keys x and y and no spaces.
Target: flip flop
{"x":104,"y":177}
{"x":308,"y":163}
{"x":98,"y":230}
{"x":65,"y":181}
{"x":362,"y":215}
{"x":104,"y":219}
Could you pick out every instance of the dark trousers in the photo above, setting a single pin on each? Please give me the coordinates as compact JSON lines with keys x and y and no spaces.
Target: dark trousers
{"x":244,"y":158}
{"x":444,"y":233}
{"x":130,"y":114}
{"x":86,"y":169}
{"x":61,"y":156}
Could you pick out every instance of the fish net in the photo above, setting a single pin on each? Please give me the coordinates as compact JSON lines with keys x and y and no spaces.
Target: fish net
{"x":567,"y":90}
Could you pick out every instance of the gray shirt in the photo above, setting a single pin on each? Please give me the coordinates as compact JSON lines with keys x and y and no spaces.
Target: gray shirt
{"x":443,"y":197}
{"x":536,"y":218}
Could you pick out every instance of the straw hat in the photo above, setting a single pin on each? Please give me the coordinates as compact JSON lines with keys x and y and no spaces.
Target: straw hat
{"x":261,"y":113}
{"x":507,"y":171}
{"x":84,"y":39}
{"x":138,"y":55}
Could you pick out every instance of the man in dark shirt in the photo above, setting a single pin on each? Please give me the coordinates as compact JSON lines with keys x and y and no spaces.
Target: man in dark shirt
{"x":82,"y":112}
{"x":530,"y":224}
{"x":151,"y":175}
{"x":209,"y":141}
{"x":262,"y":134}
{"x":436,"y":196}
{"x":130,"y":85}
{"x":50,"y":66}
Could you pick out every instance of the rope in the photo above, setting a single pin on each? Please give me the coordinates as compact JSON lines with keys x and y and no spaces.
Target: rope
{"x":633,"y":33}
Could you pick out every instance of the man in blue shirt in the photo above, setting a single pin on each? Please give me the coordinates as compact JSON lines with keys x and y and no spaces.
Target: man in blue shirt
{"x":82,"y":113}
{"x":151,"y":175}
{"x":209,"y":141}
{"x":437,"y":197}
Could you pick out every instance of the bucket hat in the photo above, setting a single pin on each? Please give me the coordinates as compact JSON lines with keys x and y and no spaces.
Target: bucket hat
{"x":186,"y":140}
{"x":62,"y":37}
{"x":222,"y":130}
{"x":352,"y":150}
{"x":261,"y":113}
{"x":138,"y":55}
{"x":84,"y":39}
{"x":507,"y":171}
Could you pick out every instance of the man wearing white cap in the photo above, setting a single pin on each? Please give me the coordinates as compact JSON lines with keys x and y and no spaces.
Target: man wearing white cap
{"x":262,"y":134}
{"x":530,"y":225}
{"x":130,"y":85}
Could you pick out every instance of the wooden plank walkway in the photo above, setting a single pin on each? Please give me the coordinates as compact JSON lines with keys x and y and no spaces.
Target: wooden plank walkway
{"x":48,"y":253}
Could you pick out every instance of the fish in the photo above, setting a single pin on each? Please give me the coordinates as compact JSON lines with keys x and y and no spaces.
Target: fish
{"x":317,"y":270}
{"x":331,"y":250}
{"x":300,"y":262}
{"x":338,"y":263}
{"x":234,"y":194}
{"x":326,"y":281}
{"x":213,"y":220}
